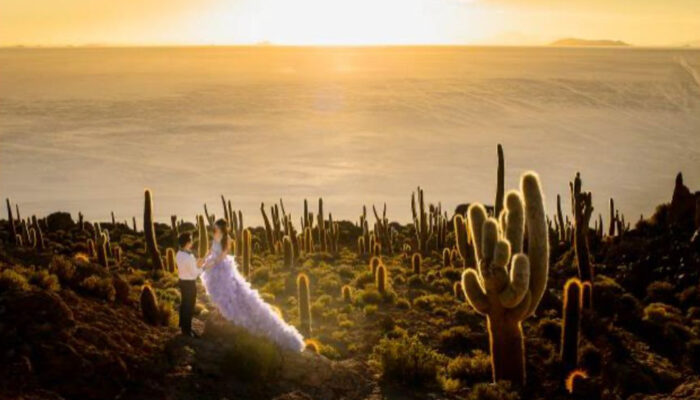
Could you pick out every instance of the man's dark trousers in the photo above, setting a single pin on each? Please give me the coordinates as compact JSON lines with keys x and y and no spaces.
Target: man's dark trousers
{"x":188,"y":296}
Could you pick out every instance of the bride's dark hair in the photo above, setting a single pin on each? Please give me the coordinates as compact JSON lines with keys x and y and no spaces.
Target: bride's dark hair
{"x":223,"y":227}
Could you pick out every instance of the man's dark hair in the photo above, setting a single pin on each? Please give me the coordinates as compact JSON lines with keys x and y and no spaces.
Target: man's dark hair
{"x":184,"y":238}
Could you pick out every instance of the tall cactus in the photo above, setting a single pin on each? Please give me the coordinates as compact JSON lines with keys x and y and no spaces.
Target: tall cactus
{"x":572,"y":320}
{"x":498,"y":206}
{"x":246,"y":251}
{"x":463,"y":240}
{"x":508,"y":296}
{"x":304,"y":304}
{"x":11,"y":220}
{"x":322,"y":239}
{"x":582,"y":210}
{"x":269,"y":239}
{"x":203,"y":242}
{"x":149,"y":232}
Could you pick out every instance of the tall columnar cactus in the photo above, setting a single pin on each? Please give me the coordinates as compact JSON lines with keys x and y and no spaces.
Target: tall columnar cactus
{"x":561,"y":228}
{"x":500,"y":183}
{"x":269,"y":238}
{"x":380,"y":278}
{"x":509,"y":295}
{"x":361,"y":245}
{"x":308,"y":241}
{"x":32,"y":238}
{"x":203,"y":242}
{"x":573,"y":300}
{"x":170,"y":259}
{"x":463,"y":240}
{"x":247,"y":251}
{"x":416,"y":262}
{"x":420,"y":222}
{"x":582,"y":210}
{"x":40,"y":244}
{"x":117,"y":251}
{"x":114,"y":220}
{"x":11,"y":221}
{"x":304,"y":299}
{"x":149,"y":232}
{"x":322,"y":239}
{"x":288,"y":250}
{"x":613,"y":220}
{"x":133,"y":224}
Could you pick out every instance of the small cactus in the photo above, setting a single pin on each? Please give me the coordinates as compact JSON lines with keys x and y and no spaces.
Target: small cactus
{"x":170,"y":260}
{"x":247,"y":251}
{"x":102,"y":250}
{"x":571,"y":324}
{"x":361,"y":245}
{"x":346,"y":293}
{"x":11,"y":220}
{"x":288,"y":251}
{"x":149,"y":305}
{"x":304,"y":299}
{"x":416,"y":261}
{"x":373,"y":264}
{"x":446,"y":253}
{"x":380,"y":278}
{"x":458,"y":291}
{"x":117,"y":251}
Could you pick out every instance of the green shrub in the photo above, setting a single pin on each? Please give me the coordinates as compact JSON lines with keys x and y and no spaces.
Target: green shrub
{"x":63,"y":268}
{"x":12,"y":281}
{"x":415,"y":281}
{"x":370,"y":310}
{"x":403,"y":304}
{"x":368,"y":296}
{"x":493,"y":391}
{"x":98,"y":287}
{"x":250,"y":358}
{"x":470,"y":369}
{"x":407,"y":361}
{"x":44,"y":280}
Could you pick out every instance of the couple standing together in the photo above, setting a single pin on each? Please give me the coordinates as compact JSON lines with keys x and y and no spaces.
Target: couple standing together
{"x":236,"y":300}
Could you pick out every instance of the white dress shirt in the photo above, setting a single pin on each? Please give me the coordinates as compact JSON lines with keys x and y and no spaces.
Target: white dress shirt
{"x":187,"y":266}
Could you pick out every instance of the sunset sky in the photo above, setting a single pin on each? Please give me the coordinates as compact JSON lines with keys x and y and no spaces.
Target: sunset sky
{"x":317,"y":22}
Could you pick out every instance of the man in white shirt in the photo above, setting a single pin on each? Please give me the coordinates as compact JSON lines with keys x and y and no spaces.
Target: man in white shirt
{"x":189,"y":269}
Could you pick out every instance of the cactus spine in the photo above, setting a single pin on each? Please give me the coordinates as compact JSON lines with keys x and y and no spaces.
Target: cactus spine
{"x":304,"y":304}
{"x":573,"y":300}
{"x":505,"y":296}
{"x":149,"y":232}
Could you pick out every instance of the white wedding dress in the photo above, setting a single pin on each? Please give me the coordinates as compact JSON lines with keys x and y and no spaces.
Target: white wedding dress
{"x":242,"y":305}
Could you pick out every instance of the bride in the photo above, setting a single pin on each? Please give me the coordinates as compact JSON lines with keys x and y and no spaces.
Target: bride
{"x":237,"y":301}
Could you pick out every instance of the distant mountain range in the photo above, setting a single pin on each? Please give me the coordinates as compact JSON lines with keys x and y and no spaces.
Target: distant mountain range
{"x":586,"y":42}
